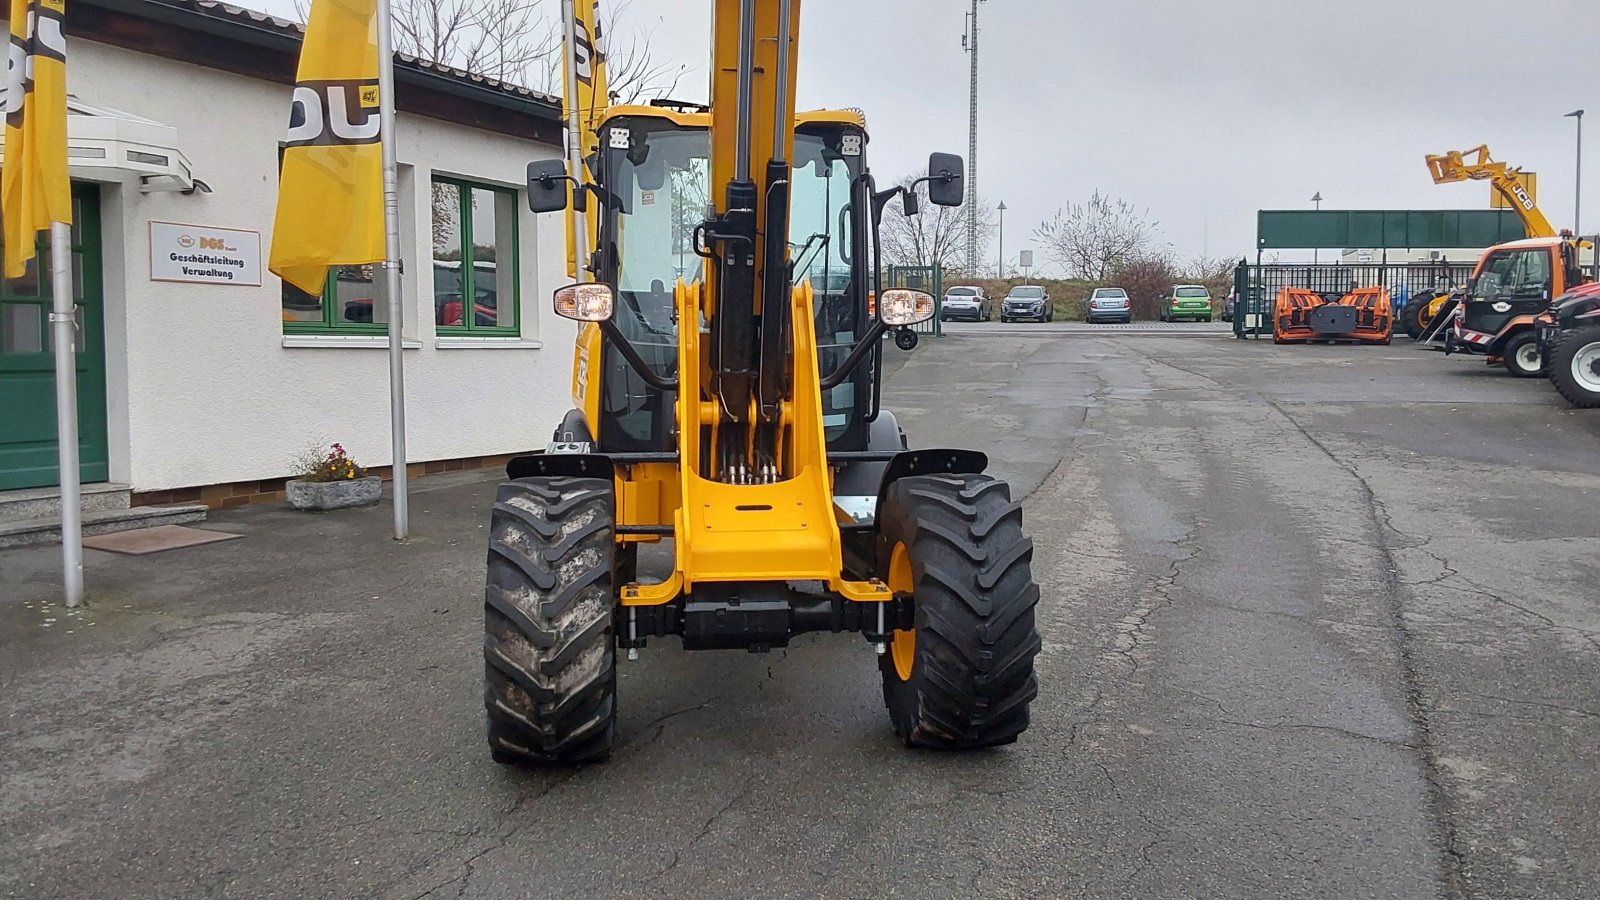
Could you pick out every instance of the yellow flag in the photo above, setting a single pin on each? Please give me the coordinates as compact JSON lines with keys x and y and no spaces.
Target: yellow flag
{"x":590,"y":102}
{"x":34,"y":187}
{"x":330,"y":187}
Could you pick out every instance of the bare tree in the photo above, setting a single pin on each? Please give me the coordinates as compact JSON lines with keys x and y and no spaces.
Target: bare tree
{"x":520,"y":42}
{"x":507,"y":40}
{"x":1146,"y":276}
{"x":1215,"y":273}
{"x":937,"y":235}
{"x":1091,"y":240}
{"x":633,"y":72}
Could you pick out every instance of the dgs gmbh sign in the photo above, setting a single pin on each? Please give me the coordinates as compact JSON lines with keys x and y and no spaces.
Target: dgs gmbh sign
{"x":201,"y":254}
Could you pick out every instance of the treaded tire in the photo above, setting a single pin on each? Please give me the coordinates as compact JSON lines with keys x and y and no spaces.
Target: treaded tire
{"x":972,"y":676}
{"x":1414,"y":315}
{"x":550,"y":662}
{"x":1514,"y":362}
{"x":1561,"y":359}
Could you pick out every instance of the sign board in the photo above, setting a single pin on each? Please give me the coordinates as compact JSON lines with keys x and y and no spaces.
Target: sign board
{"x":1385,"y":229}
{"x":201,"y":254}
{"x":1026,"y":259}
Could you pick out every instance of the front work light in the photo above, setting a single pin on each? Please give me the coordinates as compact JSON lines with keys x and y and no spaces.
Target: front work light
{"x":589,"y":302}
{"x":903,"y":306}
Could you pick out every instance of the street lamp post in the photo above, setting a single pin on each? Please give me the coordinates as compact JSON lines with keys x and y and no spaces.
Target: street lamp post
{"x":1002,"y":267}
{"x":1577,"y":201}
{"x":1316,"y":253}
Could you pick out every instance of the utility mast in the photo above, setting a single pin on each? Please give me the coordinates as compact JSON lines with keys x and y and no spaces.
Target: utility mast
{"x":969,"y":42}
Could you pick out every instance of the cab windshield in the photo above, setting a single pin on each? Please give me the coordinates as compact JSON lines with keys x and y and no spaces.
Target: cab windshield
{"x":657,"y":188}
{"x":659,"y":193}
{"x":1513,"y":274}
{"x":821,"y":240}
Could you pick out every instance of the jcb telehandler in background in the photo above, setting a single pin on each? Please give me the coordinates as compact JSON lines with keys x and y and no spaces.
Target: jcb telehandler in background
{"x":726,"y":385}
{"x":1514,"y":188}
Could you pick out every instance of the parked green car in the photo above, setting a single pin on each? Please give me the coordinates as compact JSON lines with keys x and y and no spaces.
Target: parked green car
{"x":1187,"y":301}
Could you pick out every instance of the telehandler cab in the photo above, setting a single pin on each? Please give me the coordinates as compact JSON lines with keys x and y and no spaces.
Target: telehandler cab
{"x":726,"y":389}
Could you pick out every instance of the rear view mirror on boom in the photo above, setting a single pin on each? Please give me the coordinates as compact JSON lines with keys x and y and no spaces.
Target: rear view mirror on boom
{"x":946,"y":184}
{"x":547,"y":186}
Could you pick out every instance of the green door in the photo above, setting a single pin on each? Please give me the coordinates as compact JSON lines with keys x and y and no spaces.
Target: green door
{"x":27,"y":367}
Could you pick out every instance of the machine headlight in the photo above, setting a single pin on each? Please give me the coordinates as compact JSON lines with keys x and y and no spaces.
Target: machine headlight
{"x":903,"y":306}
{"x":590,"y":302}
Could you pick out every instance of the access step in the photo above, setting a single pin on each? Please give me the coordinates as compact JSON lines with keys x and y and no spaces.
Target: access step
{"x":47,"y":529}
{"x":38,"y":503}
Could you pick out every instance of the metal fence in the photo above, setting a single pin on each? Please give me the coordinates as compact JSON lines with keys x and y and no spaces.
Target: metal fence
{"x":1256,"y":286}
{"x":922,"y":278}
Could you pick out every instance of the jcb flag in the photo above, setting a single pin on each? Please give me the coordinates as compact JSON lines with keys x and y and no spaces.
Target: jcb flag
{"x":591,"y":102}
{"x":34,"y":189}
{"x":330,"y":187}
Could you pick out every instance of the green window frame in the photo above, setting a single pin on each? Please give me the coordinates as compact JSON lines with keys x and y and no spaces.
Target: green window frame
{"x":348,"y":305}
{"x":470,"y":262}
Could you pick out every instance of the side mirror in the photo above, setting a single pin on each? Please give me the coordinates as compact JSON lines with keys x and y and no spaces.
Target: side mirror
{"x":946,"y":183}
{"x":910,"y":203}
{"x":547,"y":186}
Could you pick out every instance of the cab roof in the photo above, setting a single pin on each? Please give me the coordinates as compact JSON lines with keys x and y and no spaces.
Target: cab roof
{"x":695,"y":119}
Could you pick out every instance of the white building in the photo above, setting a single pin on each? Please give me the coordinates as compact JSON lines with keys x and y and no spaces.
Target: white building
{"x":210,"y":391}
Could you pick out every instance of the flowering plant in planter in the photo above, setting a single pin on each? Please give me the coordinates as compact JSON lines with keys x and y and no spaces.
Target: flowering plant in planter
{"x":335,"y":466}
{"x":332,"y":480}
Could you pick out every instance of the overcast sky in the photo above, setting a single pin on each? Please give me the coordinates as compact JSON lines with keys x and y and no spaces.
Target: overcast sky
{"x":1204,"y":112}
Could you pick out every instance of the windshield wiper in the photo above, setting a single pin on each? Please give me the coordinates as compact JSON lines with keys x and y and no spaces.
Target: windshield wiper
{"x":794,"y":265}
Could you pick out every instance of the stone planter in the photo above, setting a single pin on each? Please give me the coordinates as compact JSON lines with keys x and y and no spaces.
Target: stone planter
{"x":320,"y":495}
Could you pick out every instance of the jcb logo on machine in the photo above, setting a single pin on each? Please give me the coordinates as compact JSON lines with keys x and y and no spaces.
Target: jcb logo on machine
{"x":334,"y":113}
{"x":1522,"y":196}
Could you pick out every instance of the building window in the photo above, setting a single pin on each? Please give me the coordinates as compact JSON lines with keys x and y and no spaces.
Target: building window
{"x":475,"y":259}
{"x":348,"y":305}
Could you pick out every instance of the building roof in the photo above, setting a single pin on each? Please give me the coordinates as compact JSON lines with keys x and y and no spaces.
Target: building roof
{"x":247,"y":42}
{"x":296,"y":31}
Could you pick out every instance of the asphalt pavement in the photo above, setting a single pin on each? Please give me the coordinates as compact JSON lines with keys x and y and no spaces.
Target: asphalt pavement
{"x":1318,"y":622}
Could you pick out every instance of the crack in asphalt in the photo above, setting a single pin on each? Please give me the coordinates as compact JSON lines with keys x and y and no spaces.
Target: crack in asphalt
{"x":1475,"y":589}
{"x":660,"y":724}
{"x":1441,"y":800}
{"x":469,"y":864}
{"x":1515,"y":701}
{"x":705,"y":829}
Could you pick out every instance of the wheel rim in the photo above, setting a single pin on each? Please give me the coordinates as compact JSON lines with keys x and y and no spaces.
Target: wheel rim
{"x":1528,"y":357}
{"x":1586,"y":367}
{"x":903,"y":647}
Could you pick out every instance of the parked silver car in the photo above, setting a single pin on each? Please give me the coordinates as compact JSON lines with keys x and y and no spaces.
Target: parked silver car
{"x":967,"y":302}
{"x":1108,"y":304}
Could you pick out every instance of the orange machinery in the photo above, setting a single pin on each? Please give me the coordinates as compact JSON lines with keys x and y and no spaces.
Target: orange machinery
{"x":1364,"y":315}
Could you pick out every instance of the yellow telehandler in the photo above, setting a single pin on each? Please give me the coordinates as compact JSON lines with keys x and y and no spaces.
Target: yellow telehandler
{"x":1515,"y":188}
{"x":726,"y":399}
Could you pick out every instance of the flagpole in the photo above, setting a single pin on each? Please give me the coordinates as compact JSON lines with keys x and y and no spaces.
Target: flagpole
{"x":64,"y":342}
{"x":391,"y":269}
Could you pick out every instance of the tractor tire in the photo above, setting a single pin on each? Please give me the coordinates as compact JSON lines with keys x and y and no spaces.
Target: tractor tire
{"x":1414,"y":315}
{"x":549,"y":649}
{"x":1522,"y":355}
{"x":1575,"y":367}
{"x":963,"y":677}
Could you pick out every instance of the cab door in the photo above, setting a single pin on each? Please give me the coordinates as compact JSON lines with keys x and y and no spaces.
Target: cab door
{"x":1509,"y":284}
